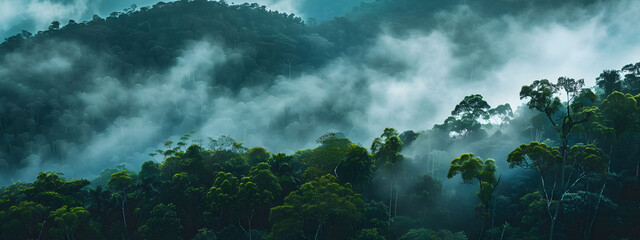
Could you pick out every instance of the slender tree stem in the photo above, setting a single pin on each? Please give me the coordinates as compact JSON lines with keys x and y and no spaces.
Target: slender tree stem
{"x":504,"y":227}
{"x":41,"y":228}
{"x":593,"y":220}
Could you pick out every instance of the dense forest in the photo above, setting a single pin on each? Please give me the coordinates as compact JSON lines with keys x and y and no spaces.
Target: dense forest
{"x":562,"y":165}
{"x":578,"y":181}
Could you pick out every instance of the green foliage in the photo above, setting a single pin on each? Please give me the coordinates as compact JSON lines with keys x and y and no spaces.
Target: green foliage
{"x":464,"y":122}
{"x":167,"y":198}
{"x":588,"y":159}
{"x":356,"y":168}
{"x":205,"y":234}
{"x":609,"y":81}
{"x":622,"y":110}
{"x":224,"y":191}
{"x":503,"y":112}
{"x":426,"y":191}
{"x":386,"y":150}
{"x":472,"y":107}
{"x":265,"y":180}
{"x":103,"y":178}
{"x":257,"y":155}
{"x":51,"y":182}
{"x":537,"y":156}
{"x":407,"y":137}
{"x":54,"y":191}
{"x":474,"y":169}
{"x":541,"y":94}
{"x":324,"y":204}
{"x":579,"y":208}
{"x":23,"y":221}
{"x":67,"y":220}
{"x":163,"y":223}
{"x":428,"y":234}
{"x":534,"y":209}
{"x":150,"y":172}
{"x":287,"y":220}
{"x":631,"y":82}
{"x":120,"y":181}
{"x":327,"y":157}
{"x":370,"y":234}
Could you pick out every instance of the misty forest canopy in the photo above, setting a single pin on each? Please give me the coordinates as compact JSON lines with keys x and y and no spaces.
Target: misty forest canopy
{"x":90,"y":96}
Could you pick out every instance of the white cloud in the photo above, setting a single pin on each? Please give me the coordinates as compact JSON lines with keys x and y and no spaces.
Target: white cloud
{"x":409,"y":82}
{"x":44,"y":12}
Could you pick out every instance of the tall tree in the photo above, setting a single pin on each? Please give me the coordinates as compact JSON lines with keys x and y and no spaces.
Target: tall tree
{"x":466,"y":114}
{"x":386,"y":152}
{"x":23,"y":221}
{"x":258,"y":191}
{"x":632,"y":78}
{"x":120,"y":184}
{"x":622,"y":111}
{"x":609,"y":81}
{"x":163,"y":223}
{"x":474,"y":170}
{"x":542,"y":97}
{"x":322,"y":202}
{"x":584,"y":161}
{"x":67,"y":220}
{"x":504,"y":113}
{"x":223,"y":193}
{"x":327,"y":157}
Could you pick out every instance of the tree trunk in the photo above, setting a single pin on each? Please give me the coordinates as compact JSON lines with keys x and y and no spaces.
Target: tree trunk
{"x":484,"y":223}
{"x":504,"y":227}
{"x":596,"y":211}
{"x":318,"y":230}
{"x":395,"y":207}
{"x":553,"y":224}
{"x":335,"y":170}
{"x":250,"y":221}
{"x":240,"y":225}
{"x":390,"y":199}
{"x":42,"y":228}
{"x":493,"y":212}
{"x":124,"y":218}
{"x":562,"y":187}
{"x":638,"y":168}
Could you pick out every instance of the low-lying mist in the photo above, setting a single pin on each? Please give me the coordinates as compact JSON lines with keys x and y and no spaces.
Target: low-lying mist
{"x":408,"y":81}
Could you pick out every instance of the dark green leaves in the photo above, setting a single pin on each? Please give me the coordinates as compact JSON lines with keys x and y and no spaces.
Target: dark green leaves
{"x":541,"y":96}
{"x":534,"y":155}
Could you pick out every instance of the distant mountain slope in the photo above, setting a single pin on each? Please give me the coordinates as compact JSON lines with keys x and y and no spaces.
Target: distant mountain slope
{"x":45,"y":110}
{"x":152,"y":38}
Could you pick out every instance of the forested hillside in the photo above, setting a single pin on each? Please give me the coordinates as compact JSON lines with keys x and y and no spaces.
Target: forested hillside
{"x":576,"y":181}
{"x":399,"y":120}
{"x":131,"y":49}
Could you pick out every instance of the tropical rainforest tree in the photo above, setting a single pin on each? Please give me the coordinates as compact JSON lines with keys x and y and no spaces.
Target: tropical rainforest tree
{"x":583,"y":161}
{"x":386,"y":151}
{"x":67,"y":220}
{"x":323,"y":203}
{"x":474,"y":170}
{"x":120,"y":184}
{"x":542,"y":97}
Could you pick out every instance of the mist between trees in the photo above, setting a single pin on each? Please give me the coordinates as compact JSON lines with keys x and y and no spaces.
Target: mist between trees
{"x":568,"y":178}
{"x":300,"y":113}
